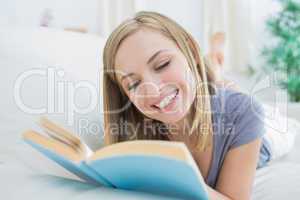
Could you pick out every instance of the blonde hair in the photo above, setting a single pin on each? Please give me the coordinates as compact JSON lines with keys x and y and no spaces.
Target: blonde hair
{"x":114,"y":98}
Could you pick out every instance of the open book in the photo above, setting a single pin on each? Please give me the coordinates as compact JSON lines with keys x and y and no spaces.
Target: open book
{"x":161,"y":167}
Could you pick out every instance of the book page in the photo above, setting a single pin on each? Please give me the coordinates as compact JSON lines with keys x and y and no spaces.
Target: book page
{"x":175,"y":150}
{"x":65,"y":136}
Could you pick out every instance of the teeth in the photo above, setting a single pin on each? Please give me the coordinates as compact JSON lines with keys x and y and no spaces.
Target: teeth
{"x":166,"y":100}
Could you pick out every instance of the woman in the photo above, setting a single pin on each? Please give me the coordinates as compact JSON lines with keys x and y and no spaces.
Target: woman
{"x":154,"y":72}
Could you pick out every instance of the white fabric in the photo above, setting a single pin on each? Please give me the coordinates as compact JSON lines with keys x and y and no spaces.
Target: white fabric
{"x":25,"y":174}
{"x":281,"y":132}
{"x":280,"y":178}
{"x":24,"y":170}
{"x":277,"y":181}
{"x":78,"y":56}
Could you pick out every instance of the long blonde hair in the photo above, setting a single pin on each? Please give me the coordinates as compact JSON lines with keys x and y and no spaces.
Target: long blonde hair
{"x":115,"y":99}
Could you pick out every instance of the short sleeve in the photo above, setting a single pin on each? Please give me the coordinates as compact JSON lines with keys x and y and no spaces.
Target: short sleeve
{"x":247,"y":120}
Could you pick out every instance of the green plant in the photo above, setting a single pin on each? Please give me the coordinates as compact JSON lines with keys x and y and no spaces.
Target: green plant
{"x":283,"y":55}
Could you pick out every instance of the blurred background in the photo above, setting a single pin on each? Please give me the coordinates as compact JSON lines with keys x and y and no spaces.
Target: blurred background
{"x":241,"y":22}
{"x":51,"y":64}
{"x":51,"y":51}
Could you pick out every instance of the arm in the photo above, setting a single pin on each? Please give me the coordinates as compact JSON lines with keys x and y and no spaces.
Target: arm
{"x":215,"y":195}
{"x":237,"y":173}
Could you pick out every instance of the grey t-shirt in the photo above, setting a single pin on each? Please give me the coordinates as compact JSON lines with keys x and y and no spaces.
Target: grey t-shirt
{"x":237,"y":119}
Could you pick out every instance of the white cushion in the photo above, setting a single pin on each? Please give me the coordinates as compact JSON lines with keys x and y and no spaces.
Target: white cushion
{"x":76,"y":56}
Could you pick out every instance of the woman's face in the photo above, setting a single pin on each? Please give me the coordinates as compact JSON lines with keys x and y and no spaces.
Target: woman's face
{"x":155,"y":76}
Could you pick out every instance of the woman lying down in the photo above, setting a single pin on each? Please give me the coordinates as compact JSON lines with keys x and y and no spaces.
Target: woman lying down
{"x":154,"y":69}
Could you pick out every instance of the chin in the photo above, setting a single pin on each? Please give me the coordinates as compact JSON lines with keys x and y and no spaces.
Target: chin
{"x":175,"y":117}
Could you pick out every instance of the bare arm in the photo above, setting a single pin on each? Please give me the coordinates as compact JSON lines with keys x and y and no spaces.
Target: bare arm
{"x":237,"y":174}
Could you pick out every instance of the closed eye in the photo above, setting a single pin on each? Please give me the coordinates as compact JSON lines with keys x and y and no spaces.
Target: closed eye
{"x":163,"y":66}
{"x":134,"y":85}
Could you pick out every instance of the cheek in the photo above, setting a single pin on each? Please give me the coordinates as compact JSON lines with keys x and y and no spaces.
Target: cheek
{"x":183,"y":79}
{"x":179,"y":72}
{"x":138,"y":101}
{"x":187,"y":83}
{"x":134,"y":100}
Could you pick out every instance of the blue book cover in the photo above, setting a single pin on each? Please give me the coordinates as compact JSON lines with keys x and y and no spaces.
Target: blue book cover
{"x":161,"y":167}
{"x":80,"y":169}
{"x":154,"y":174}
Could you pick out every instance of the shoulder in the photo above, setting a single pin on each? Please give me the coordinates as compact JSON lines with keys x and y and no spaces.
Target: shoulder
{"x":242,"y":116}
{"x":233,"y":103}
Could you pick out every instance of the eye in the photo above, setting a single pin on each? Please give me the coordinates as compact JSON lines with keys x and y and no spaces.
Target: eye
{"x":134,"y":85}
{"x":163,"y":65}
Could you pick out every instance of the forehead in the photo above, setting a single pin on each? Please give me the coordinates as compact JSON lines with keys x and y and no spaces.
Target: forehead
{"x":137,"y":48}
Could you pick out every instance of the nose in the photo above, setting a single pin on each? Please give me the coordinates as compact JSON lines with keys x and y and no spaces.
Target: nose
{"x":150,"y":88}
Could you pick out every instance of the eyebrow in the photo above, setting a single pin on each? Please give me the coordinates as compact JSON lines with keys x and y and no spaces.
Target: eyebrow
{"x":155,"y":55}
{"x":149,"y":61}
{"x":127,"y":75}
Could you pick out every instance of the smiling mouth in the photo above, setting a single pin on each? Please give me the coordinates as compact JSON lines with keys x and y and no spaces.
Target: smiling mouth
{"x":166,"y":101}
